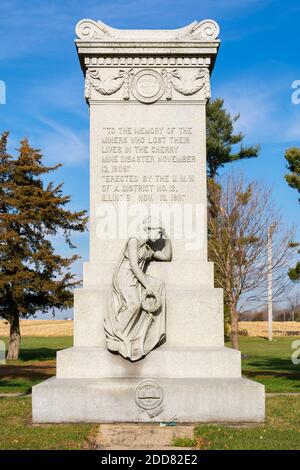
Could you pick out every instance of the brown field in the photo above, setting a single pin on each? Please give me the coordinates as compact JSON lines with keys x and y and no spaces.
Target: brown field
{"x":65,"y":328}
{"x":41,"y":328}
{"x":260,"y":328}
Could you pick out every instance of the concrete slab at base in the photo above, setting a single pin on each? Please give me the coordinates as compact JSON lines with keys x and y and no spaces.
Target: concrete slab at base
{"x":113,"y":400}
{"x":141,"y":436}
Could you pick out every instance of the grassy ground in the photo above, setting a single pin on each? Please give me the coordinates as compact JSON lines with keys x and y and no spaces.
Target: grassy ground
{"x":36,"y":363}
{"x":41,"y":348}
{"x":268,"y":363}
{"x":18,"y":432}
{"x":281,"y":430}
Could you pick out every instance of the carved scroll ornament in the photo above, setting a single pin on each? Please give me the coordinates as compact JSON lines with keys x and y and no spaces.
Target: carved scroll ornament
{"x":206,"y":30}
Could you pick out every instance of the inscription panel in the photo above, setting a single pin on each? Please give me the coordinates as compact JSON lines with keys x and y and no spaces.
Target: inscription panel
{"x":147,"y":156}
{"x":140,"y":164}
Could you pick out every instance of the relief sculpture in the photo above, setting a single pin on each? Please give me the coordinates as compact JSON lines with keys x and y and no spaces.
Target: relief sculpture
{"x":135,"y":322}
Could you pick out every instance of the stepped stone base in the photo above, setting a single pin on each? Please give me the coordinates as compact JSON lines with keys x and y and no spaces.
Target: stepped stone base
{"x":96,"y":363}
{"x":184,"y":382}
{"x":114,"y":400}
{"x":194,"y":317}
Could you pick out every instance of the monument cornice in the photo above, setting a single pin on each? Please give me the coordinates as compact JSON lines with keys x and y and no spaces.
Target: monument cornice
{"x":100,"y":49}
{"x":203,"y":31}
{"x":197,"y":40}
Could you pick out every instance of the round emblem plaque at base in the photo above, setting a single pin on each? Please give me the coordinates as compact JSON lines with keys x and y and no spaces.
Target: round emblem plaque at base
{"x":147,"y":86}
{"x":149,"y":394}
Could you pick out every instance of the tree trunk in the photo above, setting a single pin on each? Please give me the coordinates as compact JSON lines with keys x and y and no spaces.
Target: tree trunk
{"x":14,"y":339}
{"x":234,"y":326}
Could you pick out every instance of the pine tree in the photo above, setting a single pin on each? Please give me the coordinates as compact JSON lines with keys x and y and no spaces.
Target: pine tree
{"x":220,"y":138}
{"x":292,"y":156}
{"x":33,"y":278}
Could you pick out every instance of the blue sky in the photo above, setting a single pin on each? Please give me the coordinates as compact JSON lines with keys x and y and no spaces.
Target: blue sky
{"x":257,"y":63}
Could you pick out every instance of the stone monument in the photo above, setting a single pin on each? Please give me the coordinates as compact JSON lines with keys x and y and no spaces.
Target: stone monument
{"x":148,"y":322}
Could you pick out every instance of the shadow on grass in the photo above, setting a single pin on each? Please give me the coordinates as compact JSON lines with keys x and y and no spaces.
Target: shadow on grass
{"x":7,"y":386}
{"x":41,"y":348}
{"x":276,"y":364}
{"x":274,"y":372}
{"x":22,"y":378}
{"x":38,"y":354}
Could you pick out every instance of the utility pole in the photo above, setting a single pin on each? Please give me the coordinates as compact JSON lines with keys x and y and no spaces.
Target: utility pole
{"x":270,"y":290}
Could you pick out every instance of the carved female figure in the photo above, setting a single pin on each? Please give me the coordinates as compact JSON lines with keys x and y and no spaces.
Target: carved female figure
{"x":135,"y":322}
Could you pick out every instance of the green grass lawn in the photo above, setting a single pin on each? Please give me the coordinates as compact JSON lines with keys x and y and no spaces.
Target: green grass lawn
{"x":268,"y":363}
{"x":36,"y":363}
{"x":41,"y":348}
{"x":281,"y":431}
{"x":18,"y":432}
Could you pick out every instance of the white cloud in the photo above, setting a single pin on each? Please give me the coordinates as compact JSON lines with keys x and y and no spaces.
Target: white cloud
{"x":292,"y":128}
{"x":63,"y":144}
{"x":266,"y":113}
{"x":25,"y":26}
{"x":41,"y":27}
{"x":65,"y":93}
{"x":54,"y":116}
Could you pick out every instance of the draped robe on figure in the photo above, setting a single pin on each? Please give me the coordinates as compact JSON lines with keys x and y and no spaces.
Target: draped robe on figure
{"x":130,"y":330}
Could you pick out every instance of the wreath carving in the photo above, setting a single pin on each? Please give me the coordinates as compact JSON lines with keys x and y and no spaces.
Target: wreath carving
{"x":186,"y":87}
{"x":108,"y":86}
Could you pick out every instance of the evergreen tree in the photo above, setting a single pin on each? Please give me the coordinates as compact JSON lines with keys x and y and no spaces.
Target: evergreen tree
{"x":292,"y":156}
{"x":33,"y":278}
{"x":220,"y":138}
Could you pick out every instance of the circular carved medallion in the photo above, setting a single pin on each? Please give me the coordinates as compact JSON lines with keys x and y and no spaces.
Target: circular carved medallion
{"x":149,"y":394}
{"x":147,"y":86}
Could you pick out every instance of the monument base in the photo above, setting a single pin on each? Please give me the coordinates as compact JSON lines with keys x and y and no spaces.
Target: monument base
{"x":234,"y":400}
{"x":163,"y":362}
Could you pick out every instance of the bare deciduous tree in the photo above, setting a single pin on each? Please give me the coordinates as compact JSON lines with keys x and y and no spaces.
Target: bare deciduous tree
{"x":293,"y":305}
{"x":238,"y":232}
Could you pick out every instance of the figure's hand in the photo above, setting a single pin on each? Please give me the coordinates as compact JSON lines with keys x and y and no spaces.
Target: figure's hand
{"x":150,"y":290}
{"x":150,"y":254}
